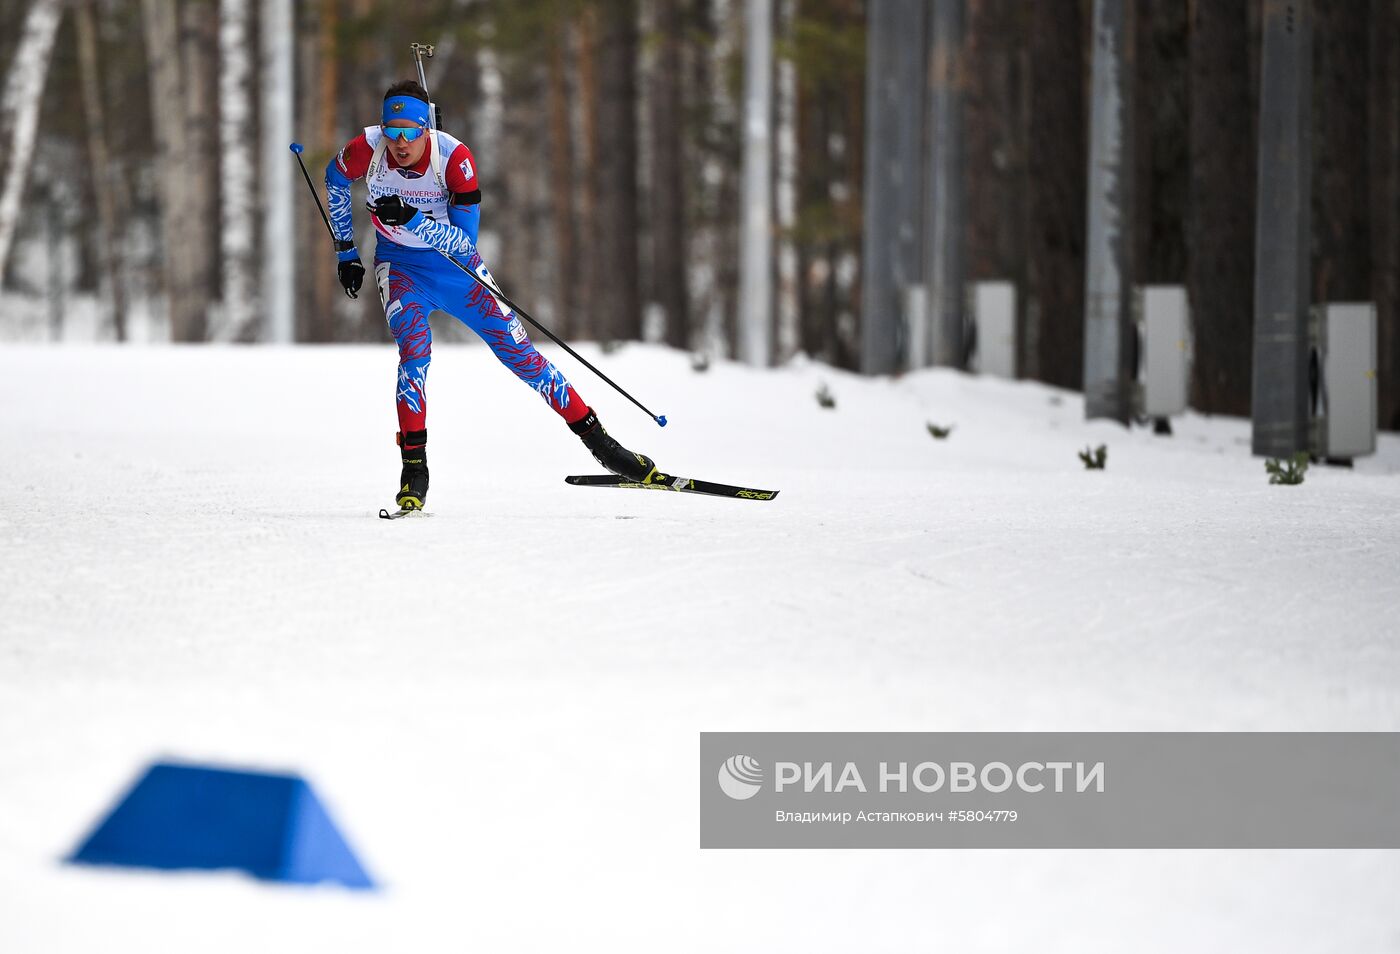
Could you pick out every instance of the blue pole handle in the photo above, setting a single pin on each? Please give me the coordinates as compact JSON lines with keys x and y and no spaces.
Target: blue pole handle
{"x":297,"y":148}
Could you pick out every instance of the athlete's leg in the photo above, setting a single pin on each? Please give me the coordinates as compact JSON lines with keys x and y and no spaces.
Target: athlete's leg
{"x":503,"y":331}
{"x":406,"y":308}
{"x":406,"y":294}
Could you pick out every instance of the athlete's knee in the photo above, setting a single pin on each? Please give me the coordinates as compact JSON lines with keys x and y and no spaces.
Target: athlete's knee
{"x":413,"y":381}
{"x":409,"y":326}
{"x":525,"y":362}
{"x":545,"y":378}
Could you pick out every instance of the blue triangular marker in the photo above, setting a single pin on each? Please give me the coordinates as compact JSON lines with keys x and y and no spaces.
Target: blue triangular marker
{"x":192,"y":816}
{"x":317,"y":851}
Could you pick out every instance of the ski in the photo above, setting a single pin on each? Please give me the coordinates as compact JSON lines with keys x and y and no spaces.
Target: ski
{"x":396,"y":514}
{"x":685,"y":485}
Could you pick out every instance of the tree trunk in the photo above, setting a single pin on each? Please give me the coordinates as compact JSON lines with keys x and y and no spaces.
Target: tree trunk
{"x":328,"y":79}
{"x":848,"y":279}
{"x":1055,"y":170}
{"x":19,"y":112}
{"x":615,"y":171}
{"x":561,"y":190}
{"x":787,"y":332}
{"x":359,"y":104}
{"x":106,"y":191}
{"x":198,"y":37}
{"x":668,"y":222}
{"x":180,"y":49}
{"x":942,"y":339}
{"x":703,"y":95}
{"x":1108,"y":327}
{"x":276,"y":174}
{"x":319,"y":293}
{"x":326,"y":292}
{"x":236,"y":168}
{"x":515,"y":181}
{"x":993,"y":114}
{"x":994,"y":111}
{"x":1385,"y":203}
{"x":1162,"y":179}
{"x":588,"y":322}
{"x":816,"y":305}
{"x":755,"y":318}
{"x":1341,"y":219}
{"x":727,"y":151}
{"x":1220,"y":215}
{"x":167,"y":116}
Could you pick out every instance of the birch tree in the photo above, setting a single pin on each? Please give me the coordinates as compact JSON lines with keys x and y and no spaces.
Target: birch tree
{"x":277,"y":78}
{"x":235,"y":166}
{"x":19,"y":110}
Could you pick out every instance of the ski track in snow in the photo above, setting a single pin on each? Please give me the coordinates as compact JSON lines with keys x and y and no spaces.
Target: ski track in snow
{"x":501,"y":704}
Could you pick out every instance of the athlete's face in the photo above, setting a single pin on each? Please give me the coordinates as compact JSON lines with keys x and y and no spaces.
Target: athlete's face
{"x":406,"y":153}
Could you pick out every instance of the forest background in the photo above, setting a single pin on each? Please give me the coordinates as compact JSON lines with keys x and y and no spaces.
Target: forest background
{"x":608,"y":135}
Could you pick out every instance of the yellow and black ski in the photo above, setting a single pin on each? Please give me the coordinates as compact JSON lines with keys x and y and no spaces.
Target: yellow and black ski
{"x":685,"y":485}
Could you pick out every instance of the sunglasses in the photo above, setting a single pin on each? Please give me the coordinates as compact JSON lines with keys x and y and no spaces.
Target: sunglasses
{"x":406,"y":133}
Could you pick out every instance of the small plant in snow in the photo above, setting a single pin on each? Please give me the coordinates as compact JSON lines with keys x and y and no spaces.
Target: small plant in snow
{"x":1288,"y":471}
{"x":611,"y":345}
{"x":699,"y":361}
{"x":939,"y":433}
{"x":824,"y":396}
{"x":1095,"y":459}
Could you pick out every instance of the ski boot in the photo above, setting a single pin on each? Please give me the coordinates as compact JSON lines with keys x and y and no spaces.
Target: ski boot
{"x":612,"y":455}
{"x":413,"y":480}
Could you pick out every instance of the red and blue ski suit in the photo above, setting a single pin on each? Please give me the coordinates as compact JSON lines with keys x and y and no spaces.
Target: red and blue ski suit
{"x":414,"y":279}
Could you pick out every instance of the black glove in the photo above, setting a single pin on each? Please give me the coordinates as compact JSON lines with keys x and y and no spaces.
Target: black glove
{"x":392,"y":210}
{"x":352,"y":275}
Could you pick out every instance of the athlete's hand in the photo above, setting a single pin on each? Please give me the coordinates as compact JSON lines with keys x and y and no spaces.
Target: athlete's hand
{"x":352,"y":275}
{"x":392,"y":210}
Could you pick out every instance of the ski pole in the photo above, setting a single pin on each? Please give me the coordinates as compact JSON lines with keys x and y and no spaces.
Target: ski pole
{"x":496,"y":292}
{"x":421,"y":50}
{"x":297,"y":149}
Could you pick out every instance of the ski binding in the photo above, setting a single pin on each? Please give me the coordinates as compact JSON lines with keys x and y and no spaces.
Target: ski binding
{"x":403,"y":512}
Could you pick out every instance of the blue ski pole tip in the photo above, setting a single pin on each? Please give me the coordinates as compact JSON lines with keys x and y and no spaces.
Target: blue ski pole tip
{"x":661,"y":420}
{"x":297,"y":148}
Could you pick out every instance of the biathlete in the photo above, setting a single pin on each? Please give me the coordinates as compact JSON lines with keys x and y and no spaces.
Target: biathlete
{"x":424,"y":198}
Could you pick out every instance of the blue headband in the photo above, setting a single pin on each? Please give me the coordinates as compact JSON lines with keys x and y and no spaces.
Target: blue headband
{"x":405,"y":107}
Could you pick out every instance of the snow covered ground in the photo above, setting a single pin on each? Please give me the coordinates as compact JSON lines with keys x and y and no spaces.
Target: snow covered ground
{"x":501,"y":704}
